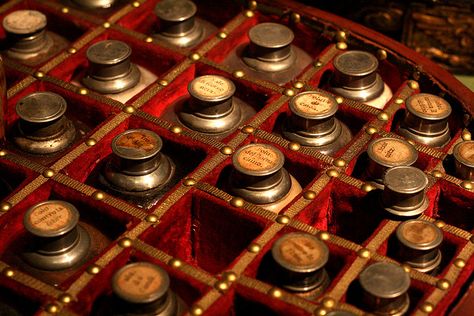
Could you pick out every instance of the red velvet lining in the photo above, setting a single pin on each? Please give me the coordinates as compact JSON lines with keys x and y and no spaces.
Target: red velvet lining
{"x":455,"y":206}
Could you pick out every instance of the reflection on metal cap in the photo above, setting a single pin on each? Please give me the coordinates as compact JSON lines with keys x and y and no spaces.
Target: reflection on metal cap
{"x":405,"y":179}
{"x":271,"y":35}
{"x":175,"y":10}
{"x":108,"y":52}
{"x":385,"y":280}
{"x":24,"y":22}
{"x":41,"y":107}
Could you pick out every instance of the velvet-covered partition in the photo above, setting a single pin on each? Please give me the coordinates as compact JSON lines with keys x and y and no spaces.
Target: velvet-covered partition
{"x":213,"y":248}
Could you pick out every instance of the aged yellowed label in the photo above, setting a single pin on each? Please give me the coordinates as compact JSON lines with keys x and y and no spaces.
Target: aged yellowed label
{"x":418,"y":232}
{"x":313,"y":104}
{"x":139,"y":281}
{"x":392,"y":151}
{"x":50,"y":217}
{"x":300,"y":251}
{"x":466,"y":151}
{"x":212,"y":87}
{"x":258,"y":158}
{"x":137,"y":140}
{"x":429,"y":104}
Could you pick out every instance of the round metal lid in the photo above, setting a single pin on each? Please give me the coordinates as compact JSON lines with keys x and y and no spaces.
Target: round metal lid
{"x":300,"y":252}
{"x":108,"y":52}
{"x":258,"y":160}
{"x":384,"y":280}
{"x":41,"y":107}
{"x":140,"y":282}
{"x":464,"y":153}
{"x":419,"y":234}
{"x":391,"y":152}
{"x":24,"y":22}
{"x":136,"y":144}
{"x":271,"y":35}
{"x":428,"y":106}
{"x":175,"y":10}
{"x":405,"y":179}
{"x":356,"y":63}
{"x":211,"y":88}
{"x":51,"y":218}
{"x":313,"y":105}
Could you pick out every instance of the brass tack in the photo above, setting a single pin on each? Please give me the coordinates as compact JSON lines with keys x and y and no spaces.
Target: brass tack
{"x":295,"y":17}
{"x":151,"y":218}
{"x":323,"y":235}
{"x":340,"y":36}
{"x":221,"y":285}
{"x":8,"y":272}
{"x":83,"y":91}
{"x":93,"y":269}
{"x":406,"y":268}
{"x":5,"y":206}
{"x":48,"y":173}
{"x":248,"y":13}
{"x":381,"y":54}
{"x":106,"y":25}
{"x":98,"y":195}
{"x":128,"y":109}
{"x":367,"y":187}
{"x":399,"y":101}
{"x":238,"y":74}
{"x":135,"y":4}
{"x":289,"y":92}
{"x":341,"y":45}
{"x":163,"y":82}
{"x":333,"y":173}
{"x":90,"y":142}
{"x":339,"y":162}
{"x":459,"y":263}
{"x":339,"y":99}
{"x":125,"y":242}
{"x":229,"y":276}
{"x":439,"y":223}
{"x":383,"y":116}
{"x":39,"y":74}
{"x":320,"y":311}
{"x":371,"y":130}
{"x":443,"y":284}
{"x":3,"y":153}
{"x":329,"y":302}
{"x":65,"y":10}
{"x":176,"y":129}
{"x":148,"y":39}
{"x":252,"y":5}
{"x":196,"y":310}
{"x":437,"y":173}
{"x":413,"y":84}
{"x":317,"y":64}
{"x":237,"y":202}
{"x":222,"y":35}
{"x":468,"y":185}
{"x":466,"y":135}
{"x":65,"y":298}
{"x":282,"y":219}
{"x":52,"y":308}
{"x":189,"y":182}
{"x":309,"y":195}
{"x":227,"y":150}
{"x":277,"y":293}
{"x":298,"y":84}
{"x":364,"y":253}
{"x":427,"y":307}
{"x":175,"y":263}
{"x":294,"y":146}
{"x":254,"y":248}
{"x":248,"y":129}
{"x":195,"y":56}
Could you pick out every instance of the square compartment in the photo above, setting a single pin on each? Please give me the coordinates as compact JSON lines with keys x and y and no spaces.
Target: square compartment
{"x":455,"y":206}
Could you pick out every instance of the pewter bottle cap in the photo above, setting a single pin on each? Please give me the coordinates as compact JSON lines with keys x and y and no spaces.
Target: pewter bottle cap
{"x":270,"y":47}
{"x":464,"y":160}
{"x":258,"y":175}
{"x":95,"y":4}
{"x":385,"y":287}
{"x":302,"y":258}
{"x":110,"y":69}
{"x":211,"y":108}
{"x":59,"y":242}
{"x":43,"y":128}
{"x":419,"y":242}
{"x":387,"y":152}
{"x":426,"y":119}
{"x":143,"y":289}
{"x":138,"y":164}
{"x":26,"y":30}
{"x":356,"y":76}
{"x":404,"y":194}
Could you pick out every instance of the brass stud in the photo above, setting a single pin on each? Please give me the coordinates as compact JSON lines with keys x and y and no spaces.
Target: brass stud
{"x":238,"y":74}
{"x":383,"y":116}
{"x":151,"y":218}
{"x":289,"y":92}
{"x":3,"y":153}
{"x":93,"y":269}
{"x":254,"y":248}
{"x":229,"y":276}
{"x":309,"y":195}
{"x":399,"y":101}
{"x":339,"y":162}
{"x":128,"y":109}
{"x":175,"y":263}
{"x":468,"y":185}
{"x":317,"y":64}
{"x":413,"y":85}
{"x":277,"y":293}
{"x":98,"y":195}
{"x":65,"y":10}
{"x":427,"y":307}
{"x":83,"y":91}
{"x":65,"y":298}
{"x":282,"y":219}
{"x":39,"y":74}
{"x":221,"y":286}
{"x":237,"y":202}
{"x":5,"y":206}
{"x":406,"y":268}
{"x":248,"y":129}
{"x":195,"y":56}
{"x":295,"y":17}
{"x":176,"y":129}
{"x":466,"y":135}
{"x":459,"y":263}
{"x":227,"y":150}
{"x":333,"y":173}
{"x":371,"y":130}
{"x":367,"y":187}
{"x":90,"y":142}
{"x":298,"y":84}
{"x":52,"y":308}
{"x":381,"y":54}
{"x":443,"y":284}
{"x":248,"y":13}
{"x":148,"y":39}
{"x":437,"y":174}
{"x":341,"y":46}
{"x":329,"y":302}
{"x":189,"y":182}
{"x":106,"y":25}
{"x":48,"y":173}
{"x":196,"y":310}
{"x":163,"y":83}
{"x":339,"y":100}
{"x":252,"y":5}
{"x":320,"y":311}
{"x":341,"y":36}
{"x":294,"y":146}
{"x":125,"y":242}
{"x":439,"y":223}
{"x":222,"y":35}
{"x":364,"y":253}
{"x":72,"y":50}
{"x":136,"y":4}
{"x":323,"y":235}
{"x":8,"y":272}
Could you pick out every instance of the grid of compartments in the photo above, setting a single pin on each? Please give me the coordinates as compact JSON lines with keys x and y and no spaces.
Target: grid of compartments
{"x":211,"y":243}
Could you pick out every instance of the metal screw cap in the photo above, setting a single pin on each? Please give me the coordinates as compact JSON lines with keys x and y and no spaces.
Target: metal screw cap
{"x":137,"y":144}
{"x":41,"y":107}
{"x":258,"y":160}
{"x":464,"y":155}
{"x":24,"y":22}
{"x":51,"y":218}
